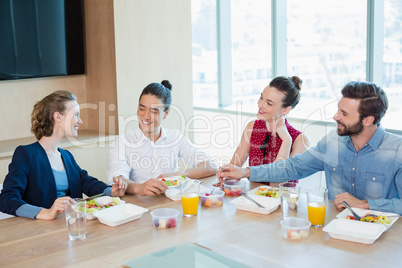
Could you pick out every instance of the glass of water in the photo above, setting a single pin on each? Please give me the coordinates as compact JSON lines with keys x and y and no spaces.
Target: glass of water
{"x":290,"y":192}
{"x":75,"y":210}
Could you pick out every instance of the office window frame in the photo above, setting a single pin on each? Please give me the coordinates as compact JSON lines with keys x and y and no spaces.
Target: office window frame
{"x":374,"y":45}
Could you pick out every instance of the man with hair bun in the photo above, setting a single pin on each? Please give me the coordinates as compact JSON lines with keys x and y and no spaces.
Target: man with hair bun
{"x":362,"y":162}
{"x":150,"y":151}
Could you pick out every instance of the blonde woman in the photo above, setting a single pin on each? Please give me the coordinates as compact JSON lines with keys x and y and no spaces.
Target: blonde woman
{"x":41,"y":175}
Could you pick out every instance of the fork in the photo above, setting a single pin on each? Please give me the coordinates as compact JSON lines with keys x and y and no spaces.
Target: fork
{"x":252,"y":200}
{"x":351,"y":210}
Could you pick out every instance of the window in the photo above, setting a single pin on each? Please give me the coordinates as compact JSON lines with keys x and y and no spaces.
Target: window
{"x":251,"y":49}
{"x":205,"y":66}
{"x":327,"y":44}
{"x":392,"y":62}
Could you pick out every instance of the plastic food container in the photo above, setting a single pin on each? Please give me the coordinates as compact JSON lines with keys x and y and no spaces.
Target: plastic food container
{"x":165,"y":217}
{"x":234,"y":188}
{"x":175,"y":181}
{"x":295,"y":228}
{"x":212,"y":200}
{"x":120,"y":214}
{"x":354,"y":231}
{"x":174,"y":193}
{"x":362,"y":212}
{"x":266,"y":191}
{"x":270,"y":204}
{"x":103,"y":200}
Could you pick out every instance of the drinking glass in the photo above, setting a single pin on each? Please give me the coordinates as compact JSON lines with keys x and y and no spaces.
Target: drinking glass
{"x":289,"y":199}
{"x":317,"y":199}
{"x":288,"y":186}
{"x":75,"y":210}
{"x":190,"y":195}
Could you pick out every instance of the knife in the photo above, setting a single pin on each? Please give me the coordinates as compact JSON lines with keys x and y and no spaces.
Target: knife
{"x":252,"y":200}
{"x":93,"y":197}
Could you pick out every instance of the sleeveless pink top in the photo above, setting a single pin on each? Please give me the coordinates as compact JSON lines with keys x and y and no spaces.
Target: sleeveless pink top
{"x":256,"y":139}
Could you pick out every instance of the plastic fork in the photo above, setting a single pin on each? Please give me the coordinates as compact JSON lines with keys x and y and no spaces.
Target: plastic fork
{"x":351,"y":210}
{"x":252,"y":200}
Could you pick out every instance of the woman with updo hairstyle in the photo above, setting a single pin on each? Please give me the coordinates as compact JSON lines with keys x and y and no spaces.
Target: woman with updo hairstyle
{"x":149,"y":152}
{"x":271,"y":138}
{"x":41,"y":175}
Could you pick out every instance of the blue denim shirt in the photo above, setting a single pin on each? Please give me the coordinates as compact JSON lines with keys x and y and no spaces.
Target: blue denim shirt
{"x":374,"y":173}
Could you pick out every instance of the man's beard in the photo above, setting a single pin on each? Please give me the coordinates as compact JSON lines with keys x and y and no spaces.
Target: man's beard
{"x":350,"y":131}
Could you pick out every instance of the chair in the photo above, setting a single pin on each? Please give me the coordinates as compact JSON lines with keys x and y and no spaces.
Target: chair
{"x":315,"y":180}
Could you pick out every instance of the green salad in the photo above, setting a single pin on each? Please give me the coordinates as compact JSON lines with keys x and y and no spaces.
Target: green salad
{"x":174,"y":181}
{"x":93,"y":205}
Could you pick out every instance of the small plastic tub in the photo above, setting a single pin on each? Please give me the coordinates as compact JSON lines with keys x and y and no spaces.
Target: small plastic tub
{"x":165,"y":217}
{"x":233,"y":187}
{"x":212,"y":200}
{"x":295,"y":228}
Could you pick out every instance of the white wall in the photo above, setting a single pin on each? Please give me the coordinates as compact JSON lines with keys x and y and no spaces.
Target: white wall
{"x":153,"y":43}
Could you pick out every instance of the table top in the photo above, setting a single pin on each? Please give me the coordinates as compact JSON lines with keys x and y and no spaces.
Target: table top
{"x":247,"y":237}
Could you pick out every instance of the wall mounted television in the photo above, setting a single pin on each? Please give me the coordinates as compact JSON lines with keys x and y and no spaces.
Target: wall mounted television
{"x":41,"y":38}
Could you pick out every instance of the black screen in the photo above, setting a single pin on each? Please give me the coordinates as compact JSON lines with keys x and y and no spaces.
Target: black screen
{"x":40,"y":38}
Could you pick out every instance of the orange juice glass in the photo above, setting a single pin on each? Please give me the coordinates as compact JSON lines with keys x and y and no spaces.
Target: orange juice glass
{"x":190,"y":204}
{"x":316,"y":213}
{"x":317,"y":199}
{"x":190,"y":195}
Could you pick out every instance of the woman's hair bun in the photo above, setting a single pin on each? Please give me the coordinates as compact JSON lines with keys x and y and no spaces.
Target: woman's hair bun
{"x":297,"y":81}
{"x":167,"y":84}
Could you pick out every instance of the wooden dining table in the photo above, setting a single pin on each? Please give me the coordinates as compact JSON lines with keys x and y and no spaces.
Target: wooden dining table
{"x":246,"y":237}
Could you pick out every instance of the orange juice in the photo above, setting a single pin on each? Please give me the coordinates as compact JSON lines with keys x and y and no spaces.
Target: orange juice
{"x":190,"y":204}
{"x":316,"y":213}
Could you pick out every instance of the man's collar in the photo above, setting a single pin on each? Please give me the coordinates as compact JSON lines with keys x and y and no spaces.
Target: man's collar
{"x":163,"y":135}
{"x":142,"y":136}
{"x":375,"y":141}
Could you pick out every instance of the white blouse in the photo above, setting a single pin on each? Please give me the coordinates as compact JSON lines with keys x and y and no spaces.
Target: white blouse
{"x":136,"y":157}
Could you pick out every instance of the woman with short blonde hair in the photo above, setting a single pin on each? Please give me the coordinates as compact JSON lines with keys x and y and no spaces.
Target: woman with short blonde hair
{"x":41,"y":175}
